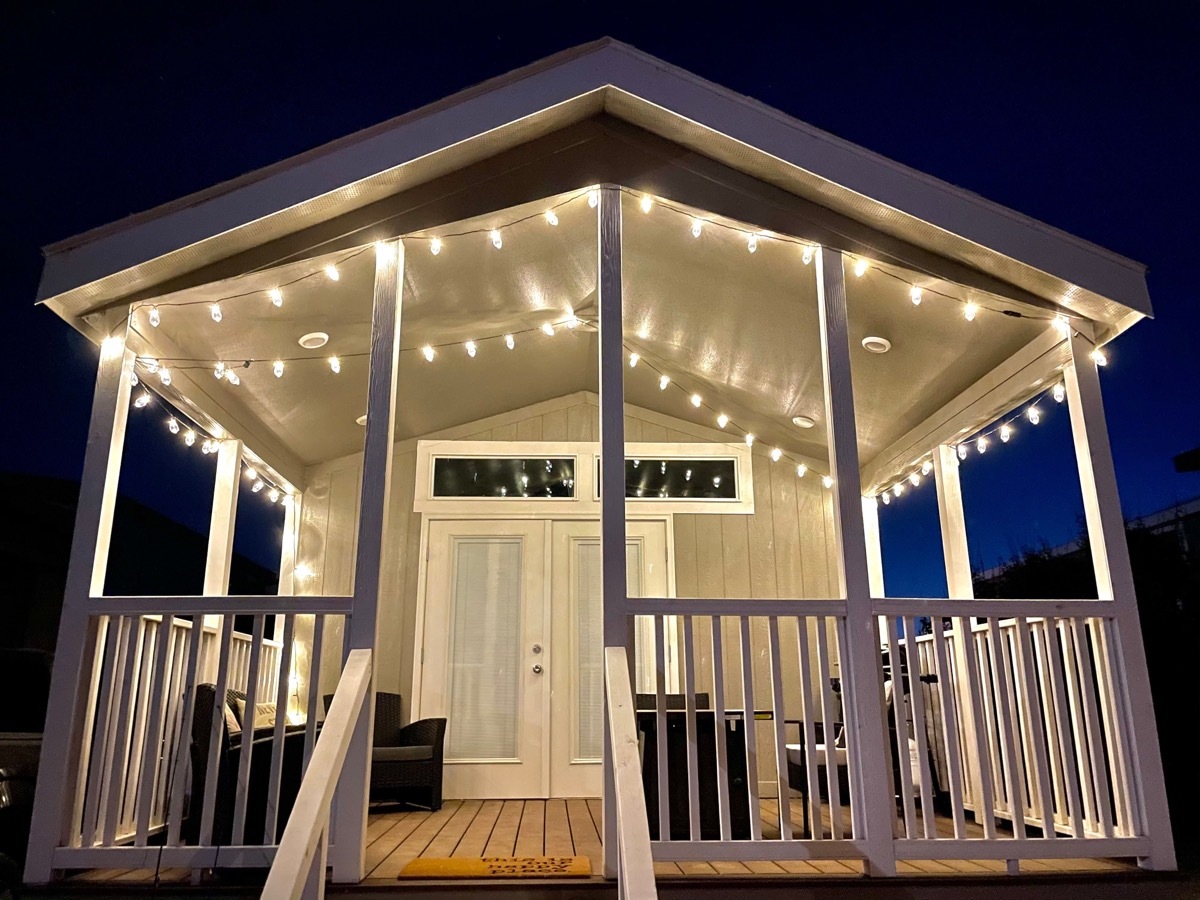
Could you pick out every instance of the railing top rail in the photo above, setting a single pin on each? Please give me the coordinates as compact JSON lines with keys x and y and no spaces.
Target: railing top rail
{"x":310,"y":814}
{"x":215,"y":606}
{"x":991,"y":609}
{"x":686,"y":606}
{"x":636,"y":860}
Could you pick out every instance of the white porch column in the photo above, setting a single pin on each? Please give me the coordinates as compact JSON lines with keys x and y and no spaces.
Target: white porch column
{"x":959,"y":586}
{"x":612,"y":476}
{"x":222,"y":523}
{"x":287,"y":558}
{"x":349,"y":850}
{"x":59,"y":794}
{"x":1114,"y":581}
{"x":862,"y":668}
{"x":874,"y":549}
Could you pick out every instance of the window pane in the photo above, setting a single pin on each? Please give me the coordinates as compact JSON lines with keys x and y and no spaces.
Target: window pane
{"x":673,"y":479}
{"x":504,"y":477}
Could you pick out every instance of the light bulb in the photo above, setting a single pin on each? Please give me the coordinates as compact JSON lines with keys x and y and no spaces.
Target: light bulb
{"x":509,"y":341}
{"x":827,"y":480}
{"x":332,"y":273}
{"x":962,"y":451}
{"x":207,"y":447}
{"x":593,"y":198}
{"x":276,"y":296}
{"x":273,"y":495}
{"x":335,"y":365}
{"x":471,"y":349}
{"x":722,"y":420}
{"x":663,"y":381}
{"x":633,"y":360}
{"x":1034,"y":415}
{"x":981,"y":445}
{"x":1062,"y":325}
{"x":860,"y":267}
{"x":915,"y":296}
{"x":435,"y":246}
{"x":215,"y":311}
{"x":151,"y":365}
{"x":303,"y":572}
{"x":133,"y":379}
{"x":646,"y":203}
{"x":776,"y":454}
{"x":749,"y":440}
{"x":232,"y":377}
{"x":548,"y":329}
{"x":1060,"y":393}
{"x":1005,"y":433}
{"x":696,"y":400}
{"x":154,"y":318}
{"x":164,"y":375}
{"x":251,"y":473}
{"x":697,"y":227}
{"x":971,"y":310}
{"x":173,"y":425}
{"x":926,"y":467}
{"x":219,"y":370}
{"x":574,"y":322}
{"x":801,"y":470}
{"x":427,"y":352}
{"x":258,"y":486}
{"x":897,"y":488}
{"x":716,"y":481}
{"x":1098,"y":357}
{"x":551,"y":217}
{"x":277,"y":368}
{"x":752,"y":242}
{"x":497,"y":241}
{"x":189,"y":437}
{"x":886,"y":498}
{"x":807,"y":256}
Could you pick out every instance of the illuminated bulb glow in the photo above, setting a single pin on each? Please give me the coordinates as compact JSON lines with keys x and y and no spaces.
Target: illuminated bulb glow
{"x":633,"y":360}
{"x":971,"y":310}
{"x":696,"y":400}
{"x":697,"y":227}
{"x":207,"y":447}
{"x":164,"y":375}
{"x":776,"y":454}
{"x":1099,"y":358}
{"x":189,"y":437}
{"x":1034,"y":415}
{"x":258,"y":486}
{"x":926,"y":467}
{"x":897,"y":488}
{"x":551,"y":217}
{"x":232,"y":377}
{"x":154,"y":317}
{"x":471,"y":349}
{"x":133,"y":379}
{"x":509,"y":342}
{"x":219,"y":370}
{"x":722,"y":420}
{"x":886,"y":498}
{"x":435,"y":246}
{"x":914,"y":479}
{"x":750,"y":440}
{"x":827,"y":481}
{"x":752,"y":242}
{"x":277,"y":368}
{"x":962,"y":451}
{"x":548,"y":329}
{"x":1060,"y":393}
{"x":427,"y":352}
{"x":807,"y":256}
{"x":981,"y":445}
{"x":332,"y":273}
{"x":251,"y":473}
{"x":497,"y":241}
{"x":593,"y":198}
{"x":1005,"y":433}
{"x":646,"y":203}
{"x":1062,"y":325}
{"x":215,"y":312}
{"x":273,"y":495}
{"x":860,"y":267}
{"x":915,"y":296}
{"x":151,"y":365}
{"x":663,"y":382}
{"x":801,"y":470}
{"x":574,"y":322}
{"x":303,"y":571}
{"x":335,"y":365}
{"x":173,"y":425}
{"x":276,"y":296}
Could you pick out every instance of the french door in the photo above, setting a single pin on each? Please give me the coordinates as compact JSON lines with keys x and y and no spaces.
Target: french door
{"x":513,"y":650}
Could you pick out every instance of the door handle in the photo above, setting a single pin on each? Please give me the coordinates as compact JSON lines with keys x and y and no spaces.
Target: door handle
{"x":537,"y":670}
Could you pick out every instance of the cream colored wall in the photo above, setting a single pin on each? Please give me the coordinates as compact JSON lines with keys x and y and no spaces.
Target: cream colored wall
{"x":785,"y":549}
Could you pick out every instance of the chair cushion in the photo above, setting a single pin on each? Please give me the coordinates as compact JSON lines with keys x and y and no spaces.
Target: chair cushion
{"x":795,"y":754}
{"x":264,"y":714}
{"x":401,"y":754}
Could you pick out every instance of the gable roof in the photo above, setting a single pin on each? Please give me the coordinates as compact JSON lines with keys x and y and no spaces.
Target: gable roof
{"x":105,"y":264}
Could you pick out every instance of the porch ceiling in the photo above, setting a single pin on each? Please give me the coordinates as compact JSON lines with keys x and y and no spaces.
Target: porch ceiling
{"x":741,"y":329}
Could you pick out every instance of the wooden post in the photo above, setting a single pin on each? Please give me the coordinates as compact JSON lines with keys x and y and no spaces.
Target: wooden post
{"x":959,"y":586}
{"x":874,"y":555}
{"x":863,"y":673}
{"x":612,"y":478}
{"x":1114,"y":581}
{"x":350,"y":811}
{"x":222,"y":522}
{"x":63,"y":765}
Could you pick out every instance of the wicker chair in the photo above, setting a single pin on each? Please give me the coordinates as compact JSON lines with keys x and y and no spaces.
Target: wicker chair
{"x":406,"y":760}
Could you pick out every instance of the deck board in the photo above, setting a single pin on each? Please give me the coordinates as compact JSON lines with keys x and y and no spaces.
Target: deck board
{"x":504,"y":833}
{"x":531,"y":839}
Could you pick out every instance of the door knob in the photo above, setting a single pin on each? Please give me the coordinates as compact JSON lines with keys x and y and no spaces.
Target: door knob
{"x":537,"y":670}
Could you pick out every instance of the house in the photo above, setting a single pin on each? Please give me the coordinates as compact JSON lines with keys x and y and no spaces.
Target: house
{"x":583,"y":390}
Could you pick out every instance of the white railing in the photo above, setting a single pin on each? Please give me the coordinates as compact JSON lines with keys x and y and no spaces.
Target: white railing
{"x":635,"y":864}
{"x":136,"y":800}
{"x":299,"y":867}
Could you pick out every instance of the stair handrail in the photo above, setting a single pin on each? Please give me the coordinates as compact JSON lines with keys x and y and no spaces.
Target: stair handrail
{"x":298,"y":870}
{"x":635,"y":863}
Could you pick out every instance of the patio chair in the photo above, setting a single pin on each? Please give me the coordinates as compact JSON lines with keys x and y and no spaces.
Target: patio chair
{"x":797,"y":766}
{"x":406,"y":760}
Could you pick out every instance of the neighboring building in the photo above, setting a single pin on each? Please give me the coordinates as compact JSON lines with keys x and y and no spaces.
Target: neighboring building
{"x":590,"y":361}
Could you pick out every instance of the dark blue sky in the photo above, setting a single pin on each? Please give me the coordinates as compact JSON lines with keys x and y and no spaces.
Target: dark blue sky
{"x":1084,"y":118}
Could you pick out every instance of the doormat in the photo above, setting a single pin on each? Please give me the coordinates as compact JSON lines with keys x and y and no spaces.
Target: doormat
{"x":499,"y":867}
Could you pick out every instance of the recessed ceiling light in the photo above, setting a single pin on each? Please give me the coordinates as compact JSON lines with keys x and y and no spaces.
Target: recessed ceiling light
{"x":313,"y":340}
{"x":361,"y":420}
{"x":803,"y":421}
{"x":876,"y":344}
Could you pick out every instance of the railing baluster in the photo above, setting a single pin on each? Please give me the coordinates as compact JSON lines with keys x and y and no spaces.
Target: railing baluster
{"x":245,"y":757}
{"x":1063,"y":727}
{"x":1039,"y":629}
{"x":900,"y":717}
{"x":148,"y":653}
{"x":751,"y":732}
{"x":181,"y":759}
{"x":693,"y":766}
{"x":1008,"y":741}
{"x":314,"y":688}
{"x":829,"y":720}
{"x":778,"y":715}
{"x":1115,"y":722}
{"x":917,"y":694}
{"x":857,"y":801}
{"x":987,"y":802}
{"x":950,"y":734}
{"x":282,"y":695}
{"x":216,"y":731}
{"x":170,"y":729}
{"x":719,"y":726}
{"x":808,"y":734}
{"x":127,"y":667}
{"x":152,"y":741}
{"x":1087,"y":684}
{"x":660,"y":720}
{"x":1037,"y":752}
{"x":114,"y":627}
{"x":987,"y":683}
{"x":1087,"y":780}
{"x":1022,"y":717}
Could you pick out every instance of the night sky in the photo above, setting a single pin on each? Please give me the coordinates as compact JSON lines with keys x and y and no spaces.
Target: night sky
{"x":1088,"y":120}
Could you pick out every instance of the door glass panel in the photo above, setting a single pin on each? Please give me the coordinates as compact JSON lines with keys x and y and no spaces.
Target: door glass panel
{"x":590,"y":641}
{"x":483,"y":694}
